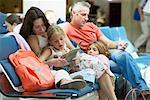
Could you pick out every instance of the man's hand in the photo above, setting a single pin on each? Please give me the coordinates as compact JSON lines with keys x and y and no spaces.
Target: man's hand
{"x":122,"y":45}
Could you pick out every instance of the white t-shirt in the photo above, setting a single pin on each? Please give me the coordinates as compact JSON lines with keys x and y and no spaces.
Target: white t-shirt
{"x":16,"y":30}
{"x":146,"y":8}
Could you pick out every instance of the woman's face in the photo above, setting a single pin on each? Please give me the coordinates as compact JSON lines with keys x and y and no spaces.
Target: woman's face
{"x":92,"y":50}
{"x":57,"y":41}
{"x":39,"y":27}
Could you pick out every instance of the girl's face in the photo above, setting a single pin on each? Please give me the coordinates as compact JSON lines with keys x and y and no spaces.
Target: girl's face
{"x":39,"y":27}
{"x":10,"y":27}
{"x":57,"y":41}
{"x":92,"y":50}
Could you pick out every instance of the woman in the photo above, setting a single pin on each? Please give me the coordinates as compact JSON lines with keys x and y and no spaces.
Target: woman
{"x":34,"y":30}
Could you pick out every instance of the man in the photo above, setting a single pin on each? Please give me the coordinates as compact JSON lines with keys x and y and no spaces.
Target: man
{"x":81,"y":30}
{"x":93,"y":10}
{"x":144,"y":11}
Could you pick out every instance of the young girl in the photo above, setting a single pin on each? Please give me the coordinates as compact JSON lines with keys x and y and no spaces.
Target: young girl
{"x":58,"y":48}
{"x":96,"y":53}
{"x":96,"y":58}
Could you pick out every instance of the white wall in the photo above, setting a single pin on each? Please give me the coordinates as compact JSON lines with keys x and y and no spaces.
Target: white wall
{"x":59,"y":6}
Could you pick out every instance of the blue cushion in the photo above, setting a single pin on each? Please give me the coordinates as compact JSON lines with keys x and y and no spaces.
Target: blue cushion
{"x":8,"y":45}
{"x":11,"y":72}
{"x":74,"y":93}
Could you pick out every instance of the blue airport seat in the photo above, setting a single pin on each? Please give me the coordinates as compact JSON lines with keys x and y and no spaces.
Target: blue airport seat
{"x":106,"y":32}
{"x":120,"y":34}
{"x":3,"y":29}
{"x":9,"y":77}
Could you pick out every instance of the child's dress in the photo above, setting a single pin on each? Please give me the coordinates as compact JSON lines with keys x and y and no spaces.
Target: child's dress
{"x":99,"y":63}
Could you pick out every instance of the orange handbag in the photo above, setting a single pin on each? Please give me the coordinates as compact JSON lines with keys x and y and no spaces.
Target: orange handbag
{"x":33,"y":73}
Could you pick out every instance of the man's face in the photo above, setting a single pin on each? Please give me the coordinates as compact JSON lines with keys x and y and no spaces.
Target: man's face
{"x":81,"y":17}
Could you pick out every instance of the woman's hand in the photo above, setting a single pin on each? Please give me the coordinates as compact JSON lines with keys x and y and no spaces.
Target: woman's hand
{"x":57,"y":62}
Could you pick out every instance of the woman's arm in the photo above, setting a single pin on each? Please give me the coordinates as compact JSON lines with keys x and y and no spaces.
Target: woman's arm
{"x":34,"y":44}
{"x":45,"y":54}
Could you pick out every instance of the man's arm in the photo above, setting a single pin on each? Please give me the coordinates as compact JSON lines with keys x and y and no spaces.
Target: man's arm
{"x":121,"y":45}
{"x":64,"y":26}
{"x":68,"y":43}
{"x":45,"y":54}
{"x":110,"y":44}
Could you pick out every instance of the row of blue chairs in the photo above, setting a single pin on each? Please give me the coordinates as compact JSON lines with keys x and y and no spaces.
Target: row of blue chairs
{"x":120,"y":34}
{"x":10,"y":84}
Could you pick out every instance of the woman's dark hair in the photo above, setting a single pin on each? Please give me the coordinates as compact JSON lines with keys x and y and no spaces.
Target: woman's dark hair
{"x":32,"y":14}
{"x":11,"y":19}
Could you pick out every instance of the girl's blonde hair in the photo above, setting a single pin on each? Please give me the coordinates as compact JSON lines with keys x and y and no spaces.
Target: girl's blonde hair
{"x":54,"y":29}
{"x":101,"y":48}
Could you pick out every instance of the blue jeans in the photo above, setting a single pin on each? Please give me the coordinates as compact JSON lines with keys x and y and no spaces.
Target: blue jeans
{"x":128,"y":68}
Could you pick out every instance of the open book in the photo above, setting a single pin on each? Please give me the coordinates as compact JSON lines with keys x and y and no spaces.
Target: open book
{"x":71,"y":54}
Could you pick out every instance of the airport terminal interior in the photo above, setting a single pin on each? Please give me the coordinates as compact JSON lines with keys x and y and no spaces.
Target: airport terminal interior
{"x":111,"y":13}
{"x":103,"y":13}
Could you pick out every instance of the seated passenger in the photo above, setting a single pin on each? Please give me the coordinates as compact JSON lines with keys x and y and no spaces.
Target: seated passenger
{"x":81,"y":30}
{"x":12,"y":22}
{"x":57,"y":47}
{"x":34,"y":30}
{"x":52,"y":18}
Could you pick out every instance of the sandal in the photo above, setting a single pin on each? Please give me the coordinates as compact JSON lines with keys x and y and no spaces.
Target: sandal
{"x":73,"y":84}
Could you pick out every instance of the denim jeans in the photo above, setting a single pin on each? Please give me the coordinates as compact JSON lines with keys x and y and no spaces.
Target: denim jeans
{"x":128,"y":68}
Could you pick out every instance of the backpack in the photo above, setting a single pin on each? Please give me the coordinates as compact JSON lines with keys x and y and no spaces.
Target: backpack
{"x":122,"y":87}
{"x":136,"y":15}
{"x":125,"y":91}
{"x":33,"y":73}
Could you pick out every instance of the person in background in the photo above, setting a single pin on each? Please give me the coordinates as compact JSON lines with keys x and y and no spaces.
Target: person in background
{"x":34,"y":30}
{"x":144,"y":11}
{"x":52,"y":18}
{"x":101,"y":17}
{"x":93,"y":10}
{"x":81,"y":30}
{"x":12,"y":21}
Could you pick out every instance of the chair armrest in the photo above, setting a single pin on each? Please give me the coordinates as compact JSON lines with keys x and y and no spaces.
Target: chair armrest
{"x":143,"y":54}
